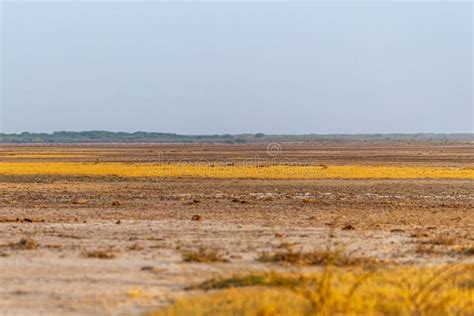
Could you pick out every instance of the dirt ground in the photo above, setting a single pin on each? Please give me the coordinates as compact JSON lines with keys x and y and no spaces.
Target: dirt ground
{"x":53,"y":228}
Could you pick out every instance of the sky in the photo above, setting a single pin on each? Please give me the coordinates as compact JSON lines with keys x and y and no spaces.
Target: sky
{"x":237,"y":67}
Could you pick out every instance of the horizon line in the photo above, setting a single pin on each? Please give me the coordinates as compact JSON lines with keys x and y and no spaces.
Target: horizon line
{"x":239,"y":134}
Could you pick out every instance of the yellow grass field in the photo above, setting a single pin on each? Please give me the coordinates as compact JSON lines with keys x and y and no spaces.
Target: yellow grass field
{"x":37,"y":155}
{"x":396,"y":291}
{"x":234,"y":171}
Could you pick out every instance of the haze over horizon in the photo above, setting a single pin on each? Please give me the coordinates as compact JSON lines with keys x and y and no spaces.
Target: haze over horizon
{"x":237,"y":67}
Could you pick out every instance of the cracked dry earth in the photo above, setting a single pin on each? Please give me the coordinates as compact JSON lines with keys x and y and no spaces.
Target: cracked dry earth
{"x":113,"y":246}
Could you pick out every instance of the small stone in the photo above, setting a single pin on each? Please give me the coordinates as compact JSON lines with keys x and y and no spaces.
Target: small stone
{"x":397,"y":230}
{"x":348,"y":227}
{"x":196,"y":218}
{"x":79,"y":201}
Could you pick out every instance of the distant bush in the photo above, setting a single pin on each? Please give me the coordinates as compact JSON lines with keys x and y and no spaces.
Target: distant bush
{"x":240,"y":140}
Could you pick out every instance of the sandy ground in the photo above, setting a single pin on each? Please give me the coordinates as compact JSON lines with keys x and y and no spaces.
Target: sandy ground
{"x":145,"y":224}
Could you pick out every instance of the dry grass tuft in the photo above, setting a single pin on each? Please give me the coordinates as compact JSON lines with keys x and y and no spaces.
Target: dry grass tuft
{"x":24,"y":244}
{"x":202,"y":255}
{"x":468,"y":251}
{"x":435,"y":245}
{"x":440,"y":240}
{"x":464,"y":250}
{"x":136,"y":247}
{"x":423,"y":249}
{"x":317,"y":257}
{"x":99,"y":254}
{"x":252,"y":279}
{"x":285,"y":245}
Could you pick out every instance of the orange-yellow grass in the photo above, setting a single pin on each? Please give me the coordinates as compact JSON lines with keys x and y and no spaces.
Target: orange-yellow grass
{"x":395,"y":291}
{"x":236,"y":171}
{"x":36,"y":155}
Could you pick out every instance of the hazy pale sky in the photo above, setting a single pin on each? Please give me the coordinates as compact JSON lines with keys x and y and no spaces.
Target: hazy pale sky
{"x":233,"y":67}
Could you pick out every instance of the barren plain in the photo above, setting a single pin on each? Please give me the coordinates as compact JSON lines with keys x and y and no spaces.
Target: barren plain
{"x":80,"y":243}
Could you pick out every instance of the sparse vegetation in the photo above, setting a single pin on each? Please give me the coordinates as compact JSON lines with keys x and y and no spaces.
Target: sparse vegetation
{"x":252,"y":279}
{"x":24,"y":244}
{"x":249,"y":302}
{"x":440,"y":240}
{"x":135,"y":247}
{"x":99,"y":254}
{"x":423,"y":249}
{"x":317,"y":257}
{"x":172,"y":229}
{"x":396,"y":291}
{"x":468,"y":251}
{"x":202,"y":255}
{"x":464,"y":250}
{"x":436,"y":245}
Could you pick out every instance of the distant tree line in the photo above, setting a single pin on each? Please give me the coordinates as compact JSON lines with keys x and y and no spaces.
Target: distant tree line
{"x":112,"y":137}
{"x":147,"y":137}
